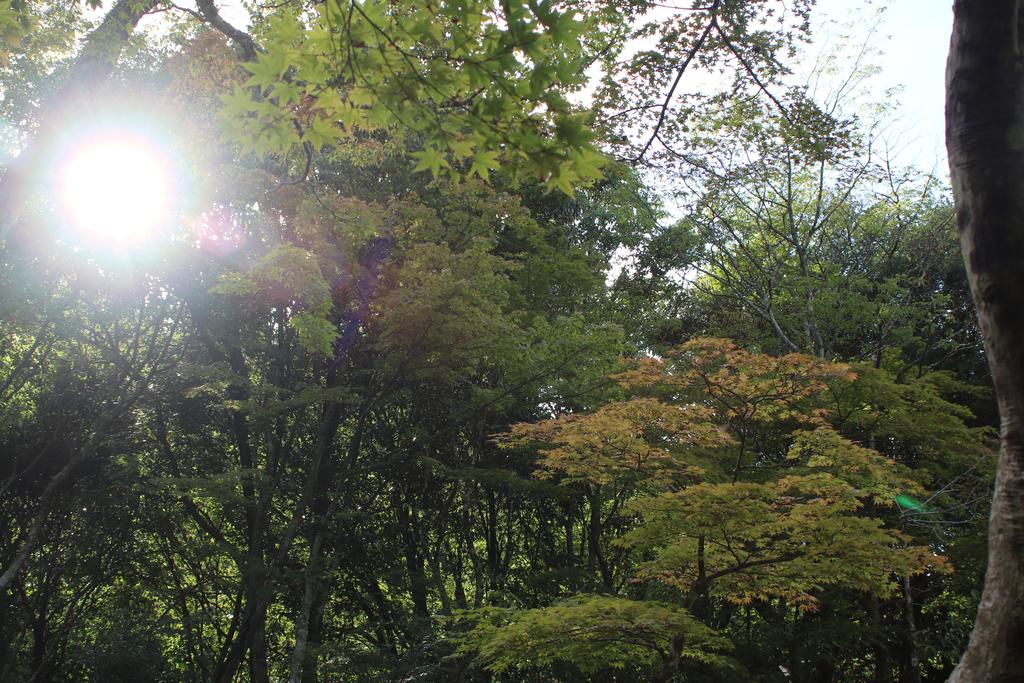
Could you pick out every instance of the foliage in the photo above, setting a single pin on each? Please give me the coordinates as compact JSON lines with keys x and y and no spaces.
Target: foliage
{"x":479,"y":82}
{"x":764,"y":500}
{"x":355,"y":421}
{"x":589,"y":632}
{"x":638,"y":439}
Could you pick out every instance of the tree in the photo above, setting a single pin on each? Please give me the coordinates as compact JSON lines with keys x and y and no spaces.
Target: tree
{"x":311,"y":331}
{"x":834,"y":253}
{"x":268,"y":445}
{"x":480,"y":83}
{"x":984,"y":112}
{"x":740,"y":492}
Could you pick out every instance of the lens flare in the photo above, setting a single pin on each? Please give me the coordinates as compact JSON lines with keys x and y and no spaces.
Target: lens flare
{"x":115,"y":190}
{"x":219,"y":231}
{"x":910,"y":503}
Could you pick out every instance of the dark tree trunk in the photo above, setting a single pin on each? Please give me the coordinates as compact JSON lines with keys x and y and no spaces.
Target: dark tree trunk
{"x":670,"y":662}
{"x":883,"y":668}
{"x":460,"y":586}
{"x":407,"y":528}
{"x":309,"y":623}
{"x":39,"y":637}
{"x":985,"y":140}
{"x":596,"y":558}
{"x":493,"y":549}
{"x":570,"y":542}
{"x":913,"y":662}
{"x":258,"y":669}
{"x":311,"y":671}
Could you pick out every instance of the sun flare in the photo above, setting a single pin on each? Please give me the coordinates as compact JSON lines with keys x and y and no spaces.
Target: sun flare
{"x":115,"y":190}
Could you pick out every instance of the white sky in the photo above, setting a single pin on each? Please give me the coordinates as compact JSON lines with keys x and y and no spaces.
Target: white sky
{"x":912,"y":39}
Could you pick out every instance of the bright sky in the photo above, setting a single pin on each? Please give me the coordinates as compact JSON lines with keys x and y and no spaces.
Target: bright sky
{"x":913,"y":39}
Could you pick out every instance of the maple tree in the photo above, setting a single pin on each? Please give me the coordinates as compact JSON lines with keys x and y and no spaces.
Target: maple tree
{"x":739,"y":488}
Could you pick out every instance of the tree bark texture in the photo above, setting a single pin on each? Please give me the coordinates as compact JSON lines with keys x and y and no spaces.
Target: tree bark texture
{"x":985,"y":141}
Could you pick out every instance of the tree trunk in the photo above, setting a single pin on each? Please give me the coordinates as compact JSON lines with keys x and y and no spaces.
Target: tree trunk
{"x":570,"y":542}
{"x":407,"y":528}
{"x":300,"y":659}
{"x":881,"y":651}
{"x":315,"y":636}
{"x":438,"y":578}
{"x":460,"y":585}
{"x":913,"y":673}
{"x":985,"y":140}
{"x":596,"y":558}
{"x":258,"y":669}
{"x":670,"y":662}
{"x":251,"y":629}
{"x":493,"y":550}
{"x":314,"y":594}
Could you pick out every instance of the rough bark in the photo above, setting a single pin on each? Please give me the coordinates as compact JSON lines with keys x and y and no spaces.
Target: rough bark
{"x":985,"y":140}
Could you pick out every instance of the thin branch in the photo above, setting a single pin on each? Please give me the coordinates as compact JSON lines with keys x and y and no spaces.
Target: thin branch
{"x":690,"y":55}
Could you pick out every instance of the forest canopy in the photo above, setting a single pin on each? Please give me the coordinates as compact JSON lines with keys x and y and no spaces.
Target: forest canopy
{"x":475,"y":341}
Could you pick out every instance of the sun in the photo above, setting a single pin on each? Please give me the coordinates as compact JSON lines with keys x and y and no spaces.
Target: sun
{"x":115,"y":190}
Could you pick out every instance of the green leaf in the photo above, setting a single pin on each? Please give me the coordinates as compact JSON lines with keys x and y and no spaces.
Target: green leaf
{"x":430,"y":159}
